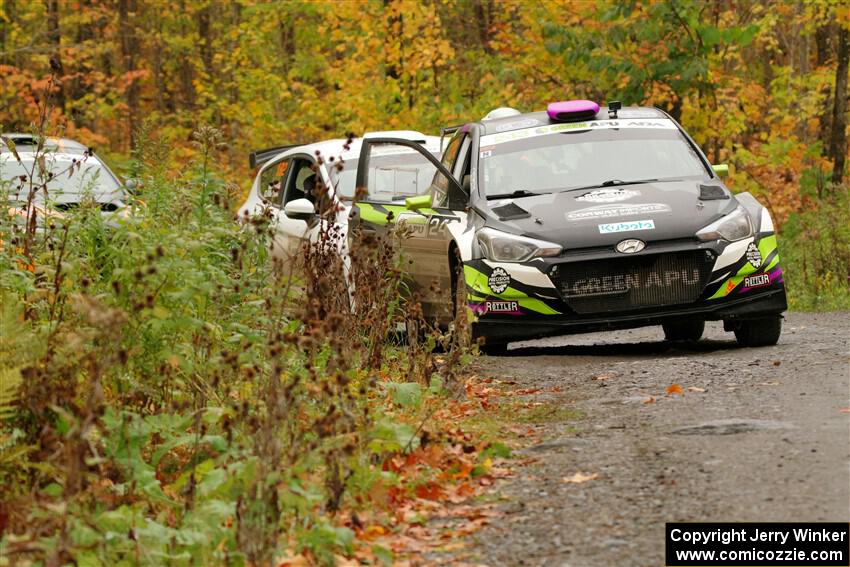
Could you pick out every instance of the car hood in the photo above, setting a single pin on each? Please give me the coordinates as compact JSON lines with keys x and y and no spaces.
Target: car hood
{"x":602,"y":217}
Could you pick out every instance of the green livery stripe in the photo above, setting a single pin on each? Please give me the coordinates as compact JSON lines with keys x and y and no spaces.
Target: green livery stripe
{"x":477,"y":282}
{"x":726,"y":288}
{"x":377,"y":214}
{"x":766,"y":247}
{"x":368,"y":213}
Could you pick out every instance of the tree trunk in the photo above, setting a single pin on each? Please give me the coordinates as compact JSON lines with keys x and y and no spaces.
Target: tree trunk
{"x":823,"y":39}
{"x":54,"y":36}
{"x":838,"y":140}
{"x":129,"y":51}
{"x":483,"y":11}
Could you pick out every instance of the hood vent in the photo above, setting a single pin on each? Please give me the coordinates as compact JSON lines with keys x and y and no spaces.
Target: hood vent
{"x":712,"y":193}
{"x":511,"y":211}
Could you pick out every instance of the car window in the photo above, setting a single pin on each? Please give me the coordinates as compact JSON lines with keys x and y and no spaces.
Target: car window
{"x":450,"y":160}
{"x":301,"y":183}
{"x":395,"y":173}
{"x":450,"y":155}
{"x":271,"y":182}
{"x":69,"y":182}
{"x":560,"y":157}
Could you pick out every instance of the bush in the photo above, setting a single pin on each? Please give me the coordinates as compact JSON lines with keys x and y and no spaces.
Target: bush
{"x":815,"y":248}
{"x":167,"y":394}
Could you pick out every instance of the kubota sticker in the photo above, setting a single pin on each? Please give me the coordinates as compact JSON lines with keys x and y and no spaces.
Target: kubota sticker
{"x":626,"y":226}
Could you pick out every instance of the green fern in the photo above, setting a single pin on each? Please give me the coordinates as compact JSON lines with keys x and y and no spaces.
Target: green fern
{"x":10,"y":385}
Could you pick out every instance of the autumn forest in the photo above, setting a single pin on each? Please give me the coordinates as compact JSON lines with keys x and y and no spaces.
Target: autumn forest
{"x":167,"y":396}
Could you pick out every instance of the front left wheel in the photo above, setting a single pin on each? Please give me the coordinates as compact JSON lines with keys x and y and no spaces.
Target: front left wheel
{"x":759,"y":332}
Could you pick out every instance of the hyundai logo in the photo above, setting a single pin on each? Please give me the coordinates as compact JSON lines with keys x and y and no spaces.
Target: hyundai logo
{"x":630,"y":246}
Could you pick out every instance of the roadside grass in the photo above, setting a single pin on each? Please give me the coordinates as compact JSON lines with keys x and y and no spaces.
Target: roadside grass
{"x":814,"y":248}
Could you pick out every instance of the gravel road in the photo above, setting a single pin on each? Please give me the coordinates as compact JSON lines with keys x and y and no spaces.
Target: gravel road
{"x":757,"y":435}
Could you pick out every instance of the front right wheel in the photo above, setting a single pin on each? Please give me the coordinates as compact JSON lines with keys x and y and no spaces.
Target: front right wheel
{"x":759,"y":332}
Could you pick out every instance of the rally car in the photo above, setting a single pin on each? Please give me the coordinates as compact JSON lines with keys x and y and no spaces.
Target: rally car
{"x":580,"y":218}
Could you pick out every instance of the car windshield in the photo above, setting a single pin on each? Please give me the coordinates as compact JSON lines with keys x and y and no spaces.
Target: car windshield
{"x":91,"y":178}
{"x":560,"y":157}
{"x":392,"y":176}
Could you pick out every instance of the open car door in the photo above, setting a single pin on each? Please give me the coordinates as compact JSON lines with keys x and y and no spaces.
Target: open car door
{"x":398,"y":180}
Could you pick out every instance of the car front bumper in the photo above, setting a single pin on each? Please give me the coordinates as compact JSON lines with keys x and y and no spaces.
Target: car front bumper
{"x":593,"y":290}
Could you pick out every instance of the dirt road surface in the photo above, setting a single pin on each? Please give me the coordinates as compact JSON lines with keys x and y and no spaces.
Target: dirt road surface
{"x":757,"y":434}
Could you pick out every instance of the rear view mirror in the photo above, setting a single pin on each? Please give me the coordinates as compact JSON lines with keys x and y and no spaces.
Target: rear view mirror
{"x":722,"y":169}
{"x":418,"y":202}
{"x":301,"y":209}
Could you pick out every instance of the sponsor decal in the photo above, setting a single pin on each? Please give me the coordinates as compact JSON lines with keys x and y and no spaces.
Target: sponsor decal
{"x":630,"y":246}
{"x":516,"y":125}
{"x":754,"y":256}
{"x":622,"y":283}
{"x":657,"y":123}
{"x":626,"y":226}
{"x":730,"y":286}
{"x":502,"y":306}
{"x":485,"y":154}
{"x":612,"y":211}
{"x":757,"y":280}
{"x":608,"y":195}
{"x":499,"y":280}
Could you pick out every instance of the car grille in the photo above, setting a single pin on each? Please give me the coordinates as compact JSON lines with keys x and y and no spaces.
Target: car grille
{"x":635,"y":282}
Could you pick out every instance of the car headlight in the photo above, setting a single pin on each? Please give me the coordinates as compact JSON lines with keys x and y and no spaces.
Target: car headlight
{"x":504,"y":247}
{"x":734,"y":226}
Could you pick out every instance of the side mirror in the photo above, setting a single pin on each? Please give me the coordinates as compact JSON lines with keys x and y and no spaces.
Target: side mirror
{"x":419,"y":202}
{"x":722,"y":169}
{"x":300,"y":209}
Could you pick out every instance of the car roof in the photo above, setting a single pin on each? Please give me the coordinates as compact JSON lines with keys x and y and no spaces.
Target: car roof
{"x":25,"y":141}
{"x":530,"y":119}
{"x":336,"y":148}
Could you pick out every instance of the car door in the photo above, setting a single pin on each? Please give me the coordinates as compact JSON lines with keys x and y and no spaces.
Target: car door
{"x":391,"y":171}
{"x":292,"y":232}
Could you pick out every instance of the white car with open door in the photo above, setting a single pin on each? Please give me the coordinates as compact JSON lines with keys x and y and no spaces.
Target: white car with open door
{"x":288,"y":176}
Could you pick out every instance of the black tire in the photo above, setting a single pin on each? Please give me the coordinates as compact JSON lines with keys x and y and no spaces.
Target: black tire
{"x":759,"y":332}
{"x":460,"y":327}
{"x":678,"y":331}
{"x":500,"y":349}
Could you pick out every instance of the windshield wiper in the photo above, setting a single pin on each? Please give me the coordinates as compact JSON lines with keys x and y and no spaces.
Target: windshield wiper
{"x":616,"y":183}
{"x":517,"y":193}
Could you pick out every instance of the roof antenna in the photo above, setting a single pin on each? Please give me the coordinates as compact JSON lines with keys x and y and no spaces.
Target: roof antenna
{"x":613,"y":107}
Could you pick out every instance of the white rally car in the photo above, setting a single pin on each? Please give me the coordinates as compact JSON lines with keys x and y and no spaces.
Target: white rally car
{"x":288,"y":175}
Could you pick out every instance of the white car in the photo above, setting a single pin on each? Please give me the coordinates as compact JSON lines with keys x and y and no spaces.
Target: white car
{"x":70,"y":172}
{"x":287,"y":177}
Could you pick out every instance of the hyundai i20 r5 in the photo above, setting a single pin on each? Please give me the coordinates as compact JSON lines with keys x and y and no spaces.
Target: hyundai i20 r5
{"x":583,"y":218}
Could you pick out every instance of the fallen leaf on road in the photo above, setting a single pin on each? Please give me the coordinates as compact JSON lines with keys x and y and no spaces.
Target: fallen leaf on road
{"x":695,"y":389}
{"x":675,"y":389}
{"x":649,"y":400}
{"x":604,"y":377}
{"x":579,"y":477}
{"x":768,"y":384}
